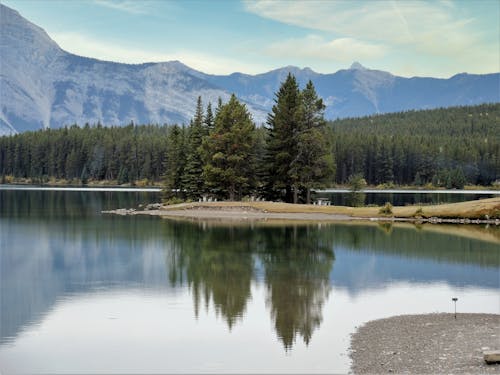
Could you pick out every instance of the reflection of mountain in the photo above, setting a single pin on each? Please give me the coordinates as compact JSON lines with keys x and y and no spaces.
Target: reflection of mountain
{"x":219,"y":265}
{"x":46,"y":258}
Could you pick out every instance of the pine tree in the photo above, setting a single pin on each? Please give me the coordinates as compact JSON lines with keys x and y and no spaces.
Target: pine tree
{"x":192,"y":178}
{"x":283,"y":128}
{"x":174,"y":162}
{"x":229,"y":148}
{"x":209,"y":120}
{"x":312,"y":165}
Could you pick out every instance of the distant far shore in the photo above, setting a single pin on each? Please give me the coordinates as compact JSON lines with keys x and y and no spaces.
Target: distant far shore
{"x":426,"y":344}
{"x":484,"y":211}
{"x":157,"y":186}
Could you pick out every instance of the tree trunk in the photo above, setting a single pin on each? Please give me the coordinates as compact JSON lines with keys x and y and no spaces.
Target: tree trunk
{"x":295,"y":195}
{"x":288,"y":194}
{"x":308,"y":196}
{"x":231,"y":192}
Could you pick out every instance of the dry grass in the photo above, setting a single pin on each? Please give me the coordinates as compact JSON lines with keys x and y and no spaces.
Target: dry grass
{"x":478,"y":209}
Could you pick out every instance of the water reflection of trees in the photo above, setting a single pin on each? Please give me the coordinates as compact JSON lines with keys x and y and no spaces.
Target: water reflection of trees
{"x":297,"y":262}
{"x":219,"y":263}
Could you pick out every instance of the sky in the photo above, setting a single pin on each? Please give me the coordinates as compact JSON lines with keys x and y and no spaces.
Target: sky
{"x":437,"y":38}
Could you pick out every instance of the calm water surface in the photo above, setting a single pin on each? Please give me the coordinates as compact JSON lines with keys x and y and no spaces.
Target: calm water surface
{"x":82,"y":292}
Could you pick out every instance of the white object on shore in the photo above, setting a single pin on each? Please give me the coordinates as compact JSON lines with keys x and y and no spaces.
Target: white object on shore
{"x":491,"y":356}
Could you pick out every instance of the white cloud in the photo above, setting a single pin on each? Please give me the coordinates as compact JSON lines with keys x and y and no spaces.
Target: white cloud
{"x":83,"y":45}
{"x":344,"y":50}
{"x":431,"y":27}
{"x":133,"y":7}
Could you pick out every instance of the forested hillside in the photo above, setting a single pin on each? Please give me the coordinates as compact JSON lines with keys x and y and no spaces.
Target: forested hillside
{"x":445,"y":147}
{"x":442,"y":146}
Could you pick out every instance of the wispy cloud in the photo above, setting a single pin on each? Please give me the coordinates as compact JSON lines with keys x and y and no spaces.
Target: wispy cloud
{"x":88,"y":46}
{"x":432,"y":27}
{"x":127,"y":6}
{"x":314,"y":47}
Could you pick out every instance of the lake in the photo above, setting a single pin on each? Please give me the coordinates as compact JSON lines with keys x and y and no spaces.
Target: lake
{"x":83,"y":292}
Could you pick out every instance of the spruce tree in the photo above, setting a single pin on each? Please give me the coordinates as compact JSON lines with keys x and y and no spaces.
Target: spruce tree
{"x":312,"y":165}
{"x":209,"y":119}
{"x":283,"y":127}
{"x":229,"y":148}
{"x":174,"y":162}
{"x":192,"y":178}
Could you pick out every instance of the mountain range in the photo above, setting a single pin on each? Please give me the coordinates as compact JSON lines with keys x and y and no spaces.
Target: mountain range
{"x":43,"y":86}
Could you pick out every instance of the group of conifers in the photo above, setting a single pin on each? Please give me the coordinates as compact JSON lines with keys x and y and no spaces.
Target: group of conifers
{"x":222,"y":154}
{"x":227,"y":157}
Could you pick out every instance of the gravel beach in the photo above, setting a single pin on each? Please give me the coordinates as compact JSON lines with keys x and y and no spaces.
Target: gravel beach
{"x":426,"y":344}
{"x":234,"y":214}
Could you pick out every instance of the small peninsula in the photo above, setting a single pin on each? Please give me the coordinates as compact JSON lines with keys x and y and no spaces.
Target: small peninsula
{"x":483,"y":211}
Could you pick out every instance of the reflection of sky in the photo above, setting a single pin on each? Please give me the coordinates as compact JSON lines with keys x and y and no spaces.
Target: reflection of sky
{"x":133,"y":331}
{"x":360,"y":270}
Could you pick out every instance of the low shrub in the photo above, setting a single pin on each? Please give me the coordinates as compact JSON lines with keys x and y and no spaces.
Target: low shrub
{"x":386,"y":209}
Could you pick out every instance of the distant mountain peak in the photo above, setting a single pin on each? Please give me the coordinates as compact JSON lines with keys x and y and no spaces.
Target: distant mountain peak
{"x":357,"y":66}
{"x":43,"y":86}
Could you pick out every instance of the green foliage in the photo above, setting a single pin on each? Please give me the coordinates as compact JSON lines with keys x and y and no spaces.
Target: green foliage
{"x":282,"y":146}
{"x":420,"y":147}
{"x":299,"y":155}
{"x":192,"y":179}
{"x":229,"y":149}
{"x":313,"y":164}
{"x":455,"y":179}
{"x":356,"y":184}
{"x":169,"y":200}
{"x":386,"y":209}
{"x":84,"y":178}
{"x":174,"y":162}
{"x":294,"y":154}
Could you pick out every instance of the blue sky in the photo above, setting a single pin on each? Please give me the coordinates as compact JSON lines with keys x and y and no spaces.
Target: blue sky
{"x":408,"y":38}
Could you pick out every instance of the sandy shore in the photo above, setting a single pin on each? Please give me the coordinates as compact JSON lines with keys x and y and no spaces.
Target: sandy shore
{"x":248,"y":214}
{"x":484,"y":211}
{"x":424,"y":344}
{"x":234,"y":215}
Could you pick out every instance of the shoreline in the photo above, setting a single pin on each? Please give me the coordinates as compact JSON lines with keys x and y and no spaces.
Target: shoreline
{"x":484,"y":211}
{"x":467,"y":190}
{"x":426,"y":343}
{"x":243,"y":215}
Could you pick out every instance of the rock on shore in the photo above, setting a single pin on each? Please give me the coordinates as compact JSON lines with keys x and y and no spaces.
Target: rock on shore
{"x":431,"y":343}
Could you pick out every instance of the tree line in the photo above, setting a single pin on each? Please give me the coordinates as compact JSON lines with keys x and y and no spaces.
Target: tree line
{"x":222,"y":154}
{"x":446,"y":147}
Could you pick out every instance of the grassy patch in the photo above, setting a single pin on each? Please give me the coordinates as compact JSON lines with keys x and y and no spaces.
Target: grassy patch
{"x":477,"y":209}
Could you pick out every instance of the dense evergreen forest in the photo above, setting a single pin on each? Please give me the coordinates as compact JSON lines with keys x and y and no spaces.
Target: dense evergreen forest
{"x":446,"y":147}
{"x":221,"y":152}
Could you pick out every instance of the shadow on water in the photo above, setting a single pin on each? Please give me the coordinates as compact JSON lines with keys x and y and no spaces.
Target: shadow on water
{"x":55,"y":245}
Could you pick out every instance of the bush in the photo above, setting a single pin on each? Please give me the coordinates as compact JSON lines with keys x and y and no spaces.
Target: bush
{"x":172,"y":200}
{"x":386,"y":209}
{"x":356,"y":184}
{"x":419,"y":213}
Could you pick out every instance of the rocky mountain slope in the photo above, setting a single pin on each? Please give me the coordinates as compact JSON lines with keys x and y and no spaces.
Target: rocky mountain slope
{"x":43,"y":86}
